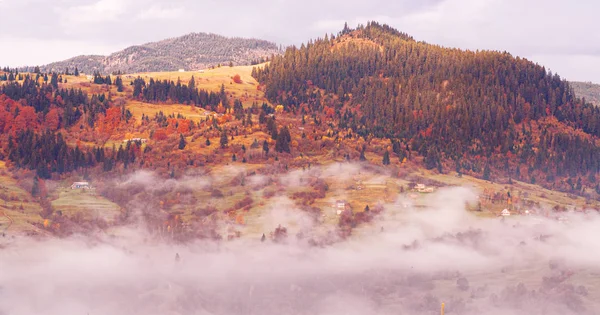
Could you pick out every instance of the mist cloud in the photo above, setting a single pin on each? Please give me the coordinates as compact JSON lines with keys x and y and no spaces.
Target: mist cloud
{"x":526,"y":265}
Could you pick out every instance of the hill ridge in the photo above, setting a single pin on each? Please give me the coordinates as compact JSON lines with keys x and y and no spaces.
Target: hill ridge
{"x":192,"y":51}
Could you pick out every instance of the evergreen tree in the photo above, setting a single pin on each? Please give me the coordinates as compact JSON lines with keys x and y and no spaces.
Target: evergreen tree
{"x":76,"y":73}
{"x":119,"y":84}
{"x":282,"y":143}
{"x":362,"y":155}
{"x":386,"y":158}
{"x":266,"y":147}
{"x":182,"y":142}
{"x":486,"y":172}
{"x":54,"y":80}
{"x":35,"y":190}
{"x":207,"y":142}
{"x":233,"y":158}
{"x":224,"y":139}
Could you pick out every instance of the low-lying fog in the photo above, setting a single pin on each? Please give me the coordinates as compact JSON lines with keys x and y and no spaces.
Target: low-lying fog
{"x":407,"y":262}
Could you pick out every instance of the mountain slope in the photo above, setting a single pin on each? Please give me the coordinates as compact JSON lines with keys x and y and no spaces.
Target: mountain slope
{"x":191,"y":52}
{"x":587,"y":90}
{"x":481,"y":112}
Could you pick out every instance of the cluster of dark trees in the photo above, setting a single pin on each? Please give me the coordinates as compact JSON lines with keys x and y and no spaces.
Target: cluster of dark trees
{"x":118,"y":82}
{"x":474,"y":108}
{"x":177,"y":92}
{"x":48,"y":153}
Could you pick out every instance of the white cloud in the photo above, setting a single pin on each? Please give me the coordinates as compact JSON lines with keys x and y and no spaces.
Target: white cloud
{"x":158,"y":12}
{"x":26,"y":51}
{"x":101,"y":11}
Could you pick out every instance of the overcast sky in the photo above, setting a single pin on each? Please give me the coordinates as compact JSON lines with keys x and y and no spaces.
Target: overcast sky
{"x":562,"y":35}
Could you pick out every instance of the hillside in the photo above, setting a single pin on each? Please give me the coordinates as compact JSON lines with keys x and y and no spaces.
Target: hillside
{"x":587,"y":90}
{"x":484,"y":113}
{"x":216,"y":153}
{"x":191,"y":52}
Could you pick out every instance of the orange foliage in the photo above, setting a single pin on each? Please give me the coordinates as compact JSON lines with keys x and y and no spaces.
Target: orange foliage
{"x":52,"y":120}
{"x":160,"y":134}
{"x":172,"y":126}
{"x":237,"y":79}
{"x":27,"y":118}
{"x":112,"y":119}
{"x":329,"y":112}
{"x":223,"y":119}
{"x":184,"y":126}
{"x":220,"y":109}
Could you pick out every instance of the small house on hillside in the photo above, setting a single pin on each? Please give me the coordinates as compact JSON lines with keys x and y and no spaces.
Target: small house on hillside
{"x":505,"y":213}
{"x":80,"y":185}
{"x":422,"y":188}
{"x":181,"y":70}
{"x":341,"y":206}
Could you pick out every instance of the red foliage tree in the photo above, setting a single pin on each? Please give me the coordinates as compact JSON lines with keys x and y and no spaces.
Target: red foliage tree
{"x":27,"y":119}
{"x":112,"y":119}
{"x":237,"y":79}
{"x":52,"y":120}
{"x":160,"y":134}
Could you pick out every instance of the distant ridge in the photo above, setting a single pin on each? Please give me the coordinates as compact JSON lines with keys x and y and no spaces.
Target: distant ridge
{"x":589,"y":91}
{"x":190,"y":52}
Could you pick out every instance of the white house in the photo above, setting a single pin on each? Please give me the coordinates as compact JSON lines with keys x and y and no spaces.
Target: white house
{"x":505,"y":213}
{"x":340,"y":206}
{"x":181,"y":70}
{"x":423,"y":189}
{"x":80,"y":185}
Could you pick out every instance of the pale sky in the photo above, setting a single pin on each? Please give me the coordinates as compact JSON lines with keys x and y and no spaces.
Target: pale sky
{"x":562,"y":35}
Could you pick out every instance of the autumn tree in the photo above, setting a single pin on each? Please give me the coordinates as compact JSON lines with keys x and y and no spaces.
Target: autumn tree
{"x":237,"y":79}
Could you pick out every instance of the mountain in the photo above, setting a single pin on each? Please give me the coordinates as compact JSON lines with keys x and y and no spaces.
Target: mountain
{"x":191,"y":52}
{"x":587,"y":90}
{"x":483,"y":112}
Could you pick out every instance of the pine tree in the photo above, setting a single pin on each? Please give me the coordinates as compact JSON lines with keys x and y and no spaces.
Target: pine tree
{"x":386,"y":158}
{"x":486,"y":172}
{"x":282,"y":143}
{"x":362,"y":155}
{"x":233,"y":158}
{"x":119,"y":84}
{"x":192,"y":83}
{"x":35,"y":190}
{"x":224,"y":139}
{"x":54,"y":80}
{"x":182,"y":142}
{"x":76,"y":73}
{"x":207,"y":142}
{"x":266,"y":147}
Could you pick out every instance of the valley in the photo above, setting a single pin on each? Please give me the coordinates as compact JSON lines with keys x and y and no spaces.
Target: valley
{"x":364,"y":167}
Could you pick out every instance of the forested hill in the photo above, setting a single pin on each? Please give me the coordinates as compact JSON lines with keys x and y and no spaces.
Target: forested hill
{"x":190,"y":52}
{"x":482,"y":112}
